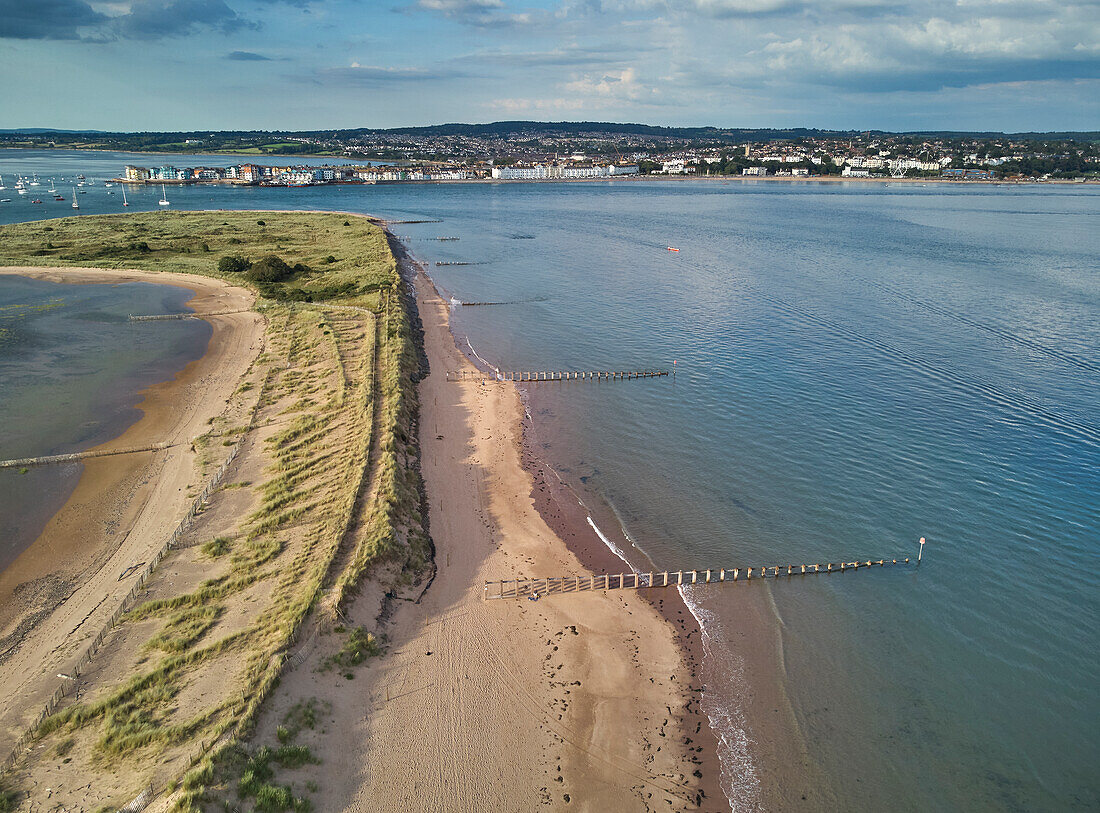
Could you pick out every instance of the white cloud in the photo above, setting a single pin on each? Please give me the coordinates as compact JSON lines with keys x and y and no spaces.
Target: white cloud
{"x":618,"y":86}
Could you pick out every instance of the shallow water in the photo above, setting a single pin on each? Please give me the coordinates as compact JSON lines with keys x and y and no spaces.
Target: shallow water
{"x":71,"y":368}
{"x":857,"y":366}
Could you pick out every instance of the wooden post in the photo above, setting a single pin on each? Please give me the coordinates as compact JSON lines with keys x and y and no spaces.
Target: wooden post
{"x":736,"y":570}
{"x":694,"y":576}
{"x":722,"y":575}
{"x":748,"y":573}
{"x":708,"y":576}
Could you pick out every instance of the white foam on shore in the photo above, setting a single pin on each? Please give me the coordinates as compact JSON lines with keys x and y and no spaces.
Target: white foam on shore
{"x":478,"y":356}
{"x":611,"y":545}
{"x":738,"y":778}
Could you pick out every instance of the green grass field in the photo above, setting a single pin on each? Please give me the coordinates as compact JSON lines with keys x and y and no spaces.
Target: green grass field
{"x":193,"y":242}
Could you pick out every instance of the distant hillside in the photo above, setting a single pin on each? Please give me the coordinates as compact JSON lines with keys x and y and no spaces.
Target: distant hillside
{"x":578,"y":129}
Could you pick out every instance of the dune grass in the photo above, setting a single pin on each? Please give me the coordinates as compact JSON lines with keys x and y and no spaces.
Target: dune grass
{"x":344,"y":382}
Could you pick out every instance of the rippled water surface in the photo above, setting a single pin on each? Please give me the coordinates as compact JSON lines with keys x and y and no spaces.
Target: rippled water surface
{"x":857,"y":366}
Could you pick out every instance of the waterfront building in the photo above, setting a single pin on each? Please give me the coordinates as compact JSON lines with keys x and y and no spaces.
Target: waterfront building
{"x":532,"y":173}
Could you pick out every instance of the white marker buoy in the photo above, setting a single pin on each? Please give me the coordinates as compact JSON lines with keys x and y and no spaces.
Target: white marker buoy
{"x":921,"y":551}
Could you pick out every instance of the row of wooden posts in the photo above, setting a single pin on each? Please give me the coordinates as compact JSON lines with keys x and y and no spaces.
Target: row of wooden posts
{"x":547,"y":375}
{"x":517,"y":588}
{"x":74,"y":456}
{"x":160,"y":317}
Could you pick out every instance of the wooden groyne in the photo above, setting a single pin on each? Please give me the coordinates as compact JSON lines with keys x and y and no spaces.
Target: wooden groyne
{"x":75,"y":456}
{"x":399,"y":222}
{"x":533,"y":376}
{"x":518,"y":588}
{"x":163,"y":316}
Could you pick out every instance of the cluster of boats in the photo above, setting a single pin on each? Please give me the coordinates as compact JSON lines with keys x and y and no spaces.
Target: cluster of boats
{"x":24,"y":186}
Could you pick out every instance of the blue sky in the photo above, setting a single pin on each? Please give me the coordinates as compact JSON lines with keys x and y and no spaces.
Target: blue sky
{"x":314,"y":64}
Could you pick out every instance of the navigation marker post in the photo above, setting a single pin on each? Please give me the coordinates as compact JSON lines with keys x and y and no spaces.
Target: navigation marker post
{"x":921,"y":551}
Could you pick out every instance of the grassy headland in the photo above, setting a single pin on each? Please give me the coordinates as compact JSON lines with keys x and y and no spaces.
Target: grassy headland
{"x":326,"y":489}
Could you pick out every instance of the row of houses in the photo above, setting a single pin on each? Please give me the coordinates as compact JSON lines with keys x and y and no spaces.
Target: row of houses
{"x":292,"y":175}
{"x":541,"y":172}
{"x":240,"y":173}
{"x":793,"y":172}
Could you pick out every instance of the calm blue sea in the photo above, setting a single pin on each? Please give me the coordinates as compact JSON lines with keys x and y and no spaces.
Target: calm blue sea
{"x":857,"y":366}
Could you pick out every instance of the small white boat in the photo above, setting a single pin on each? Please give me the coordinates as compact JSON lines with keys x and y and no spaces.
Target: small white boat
{"x":124,"y":201}
{"x":163,"y":196}
{"x":75,"y":204}
{"x":5,"y":200}
{"x":2,"y":182}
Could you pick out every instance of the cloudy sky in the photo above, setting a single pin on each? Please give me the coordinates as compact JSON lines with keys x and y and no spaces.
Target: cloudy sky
{"x":312,"y":64}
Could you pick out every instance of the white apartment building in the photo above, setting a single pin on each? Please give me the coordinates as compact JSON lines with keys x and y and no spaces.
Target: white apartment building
{"x":521,"y":173}
{"x":899,"y":166}
{"x":540,"y":172}
{"x":862,"y":162}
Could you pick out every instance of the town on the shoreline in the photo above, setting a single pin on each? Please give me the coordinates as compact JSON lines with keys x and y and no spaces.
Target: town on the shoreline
{"x":878,"y":159}
{"x":535,"y":151}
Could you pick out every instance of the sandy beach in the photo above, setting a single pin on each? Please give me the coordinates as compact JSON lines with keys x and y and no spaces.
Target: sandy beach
{"x":572,"y":702}
{"x":588,"y":700}
{"x":56,"y":594}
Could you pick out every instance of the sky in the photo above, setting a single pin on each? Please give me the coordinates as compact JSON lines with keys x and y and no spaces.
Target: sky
{"x":1000,"y":65}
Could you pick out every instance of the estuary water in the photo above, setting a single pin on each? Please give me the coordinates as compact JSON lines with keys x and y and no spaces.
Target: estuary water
{"x":857,"y":366}
{"x":71,"y":369}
